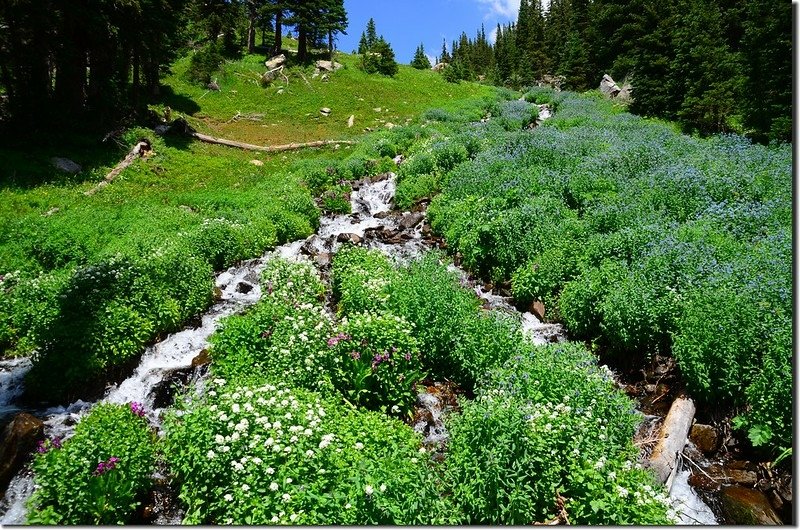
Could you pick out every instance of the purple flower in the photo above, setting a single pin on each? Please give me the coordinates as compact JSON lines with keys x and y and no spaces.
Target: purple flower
{"x":137,"y":408}
{"x":407,"y":356}
{"x":56,"y":442}
{"x":41,"y":447}
{"x":355,"y":355}
{"x":104,"y":467}
{"x":333,"y":341}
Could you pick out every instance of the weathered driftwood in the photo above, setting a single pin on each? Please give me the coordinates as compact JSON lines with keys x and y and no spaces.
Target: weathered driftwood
{"x":673,"y":435}
{"x":138,"y":150}
{"x":267,"y":148}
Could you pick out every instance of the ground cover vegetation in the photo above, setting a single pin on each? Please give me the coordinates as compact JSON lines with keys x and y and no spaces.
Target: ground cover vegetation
{"x":699,"y":63}
{"x":309,"y":450}
{"x":641,"y":240}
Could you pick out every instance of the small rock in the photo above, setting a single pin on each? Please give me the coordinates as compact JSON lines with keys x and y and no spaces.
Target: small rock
{"x":382,"y":215}
{"x":537,"y":308}
{"x":213,"y":85}
{"x":280,"y":91}
{"x":351,"y":120}
{"x":411,"y":220}
{"x":747,"y":506}
{"x":390,"y":125}
{"x":258,"y":163}
{"x":377,"y":109}
{"x":66,"y":165}
{"x":315,"y":74}
{"x":346,"y":237}
{"x":398,"y":159}
{"x":323,"y":259}
{"x":325,"y":111}
{"x":51,"y":211}
{"x":244,"y":287}
{"x":217,"y":293}
{"x":201,"y":359}
{"x":18,"y":440}
{"x":650,"y":389}
{"x":328,"y":66}
{"x":325,"y":78}
{"x":162,"y":129}
{"x":705,"y":437}
{"x":275,"y":62}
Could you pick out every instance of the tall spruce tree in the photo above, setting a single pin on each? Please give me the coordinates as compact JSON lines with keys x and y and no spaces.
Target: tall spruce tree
{"x":420,"y":60}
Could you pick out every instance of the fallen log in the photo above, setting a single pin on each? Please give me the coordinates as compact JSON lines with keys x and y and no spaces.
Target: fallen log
{"x":267,"y":148}
{"x":672,"y":438}
{"x":138,"y":150}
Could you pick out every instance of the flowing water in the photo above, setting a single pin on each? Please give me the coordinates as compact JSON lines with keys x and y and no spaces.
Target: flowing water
{"x":368,"y":224}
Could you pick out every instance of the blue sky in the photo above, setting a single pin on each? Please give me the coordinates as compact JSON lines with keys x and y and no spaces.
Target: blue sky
{"x":407,"y":23}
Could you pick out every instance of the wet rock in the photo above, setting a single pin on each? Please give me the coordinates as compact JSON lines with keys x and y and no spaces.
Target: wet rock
{"x":217,"y":293}
{"x":411,"y":220}
{"x":163,"y":394}
{"x":19,"y":439}
{"x":66,"y":165}
{"x":244,"y":287}
{"x":746,"y":506}
{"x":346,"y":237}
{"x":201,"y":359}
{"x":382,"y":215}
{"x":742,"y":477}
{"x":705,"y":437}
{"x":650,"y":389}
{"x":537,"y":308}
{"x":323,"y":259}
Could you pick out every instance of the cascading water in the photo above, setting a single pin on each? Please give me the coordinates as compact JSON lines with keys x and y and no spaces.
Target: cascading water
{"x":371,"y":223}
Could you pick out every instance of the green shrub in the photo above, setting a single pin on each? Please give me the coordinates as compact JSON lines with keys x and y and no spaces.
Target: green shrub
{"x":579,"y":301}
{"x":99,"y":474}
{"x":205,"y":63}
{"x":376,"y":362}
{"x":413,"y":188}
{"x":337,"y":200}
{"x":430,"y":297}
{"x":272,"y":455}
{"x":360,"y":279}
{"x":529,"y":438}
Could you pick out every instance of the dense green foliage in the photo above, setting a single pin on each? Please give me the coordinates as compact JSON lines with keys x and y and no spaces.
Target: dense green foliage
{"x":530,"y":438}
{"x":376,"y":53}
{"x":714,"y":65}
{"x":98,"y":476}
{"x":641,"y":240}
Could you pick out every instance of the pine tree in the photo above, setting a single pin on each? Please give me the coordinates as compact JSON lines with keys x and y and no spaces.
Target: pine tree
{"x":445,"y":57}
{"x":362,"y":44}
{"x":371,"y":33}
{"x":421,"y":61}
{"x":333,"y":20}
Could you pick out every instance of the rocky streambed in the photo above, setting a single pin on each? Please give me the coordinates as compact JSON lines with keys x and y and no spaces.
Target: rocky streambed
{"x":713,"y":483}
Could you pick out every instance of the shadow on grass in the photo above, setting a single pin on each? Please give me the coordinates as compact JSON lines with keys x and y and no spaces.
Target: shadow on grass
{"x":177,"y":102}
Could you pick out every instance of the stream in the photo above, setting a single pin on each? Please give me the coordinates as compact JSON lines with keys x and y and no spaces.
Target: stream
{"x":372,"y":223}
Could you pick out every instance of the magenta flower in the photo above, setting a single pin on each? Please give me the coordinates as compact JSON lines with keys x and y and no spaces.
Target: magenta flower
{"x":333,"y":341}
{"x":137,"y":408}
{"x":355,"y":355}
{"x":104,"y":467}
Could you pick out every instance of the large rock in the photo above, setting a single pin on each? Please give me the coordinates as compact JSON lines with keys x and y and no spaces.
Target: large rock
{"x":704,"y":437}
{"x":19,"y":439}
{"x":276,"y":62}
{"x":66,"y":165}
{"x":626,"y":93}
{"x":439,"y":67}
{"x":608,"y":87}
{"x":328,"y":66}
{"x":747,"y":506}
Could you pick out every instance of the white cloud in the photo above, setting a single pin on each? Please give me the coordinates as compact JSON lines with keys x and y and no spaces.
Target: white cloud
{"x":503,"y":8}
{"x":493,"y":35}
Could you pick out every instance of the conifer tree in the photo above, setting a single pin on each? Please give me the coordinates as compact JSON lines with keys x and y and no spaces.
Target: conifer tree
{"x":420,"y":60}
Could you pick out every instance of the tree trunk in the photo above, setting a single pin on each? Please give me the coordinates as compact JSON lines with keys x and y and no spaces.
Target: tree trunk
{"x":330,"y":45}
{"x":302,"y":42}
{"x":673,"y":435}
{"x":278,"y":32}
{"x":251,"y":31}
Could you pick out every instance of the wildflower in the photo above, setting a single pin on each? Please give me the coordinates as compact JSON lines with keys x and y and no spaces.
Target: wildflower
{"x":309,"y":453}
{"x":245,"y":487}
{"x":275,"y":519}
{"x":273,"y":486}
{"x":623,"y":492}
{"x":368,"y":490}
{"x":235,"y":408}
{"x":257,"y":461}
{"x":219,"y":439}
{"x":137,"y":408}
{"x":225,"y":449}
{"x":348,"y":506}
{"x":289,"y":480}
{"x":293,"y":517}
{"x":612,"y":475}
{"x":269,"y":442}
{"x":382,"y":488}
{"x":211,"y":455}
{"x":286,"y":497}
{"x":359,"y":446}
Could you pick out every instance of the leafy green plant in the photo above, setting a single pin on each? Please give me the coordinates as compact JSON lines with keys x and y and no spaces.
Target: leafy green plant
{"x":269,"y":454}
{"x":99,"y":474}
{"x":376,"y":362}
{"x":360,"y":279}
